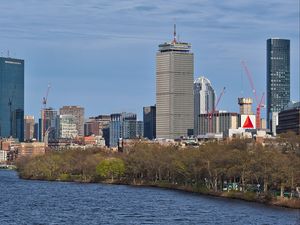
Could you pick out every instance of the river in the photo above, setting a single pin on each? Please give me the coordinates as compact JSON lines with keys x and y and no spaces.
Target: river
{"x":43,"y":202}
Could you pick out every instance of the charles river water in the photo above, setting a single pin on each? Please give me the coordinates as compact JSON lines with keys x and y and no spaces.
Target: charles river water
{"x":43,"y":202}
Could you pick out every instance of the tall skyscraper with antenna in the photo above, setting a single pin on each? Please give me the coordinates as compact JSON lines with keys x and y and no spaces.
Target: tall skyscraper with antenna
{"x":174,"y":89}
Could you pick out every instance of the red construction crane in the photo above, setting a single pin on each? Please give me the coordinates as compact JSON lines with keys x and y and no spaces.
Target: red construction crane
{"x":210,"y":114}
{"x":259,"y":103}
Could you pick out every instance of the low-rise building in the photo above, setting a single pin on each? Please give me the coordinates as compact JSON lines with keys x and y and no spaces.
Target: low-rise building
{"x":32,"y":148}
{"x":217,"y":122}
{"x":9,"y":148}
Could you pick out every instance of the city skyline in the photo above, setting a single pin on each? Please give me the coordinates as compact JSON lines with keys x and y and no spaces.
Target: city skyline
{"x":77,"y":52}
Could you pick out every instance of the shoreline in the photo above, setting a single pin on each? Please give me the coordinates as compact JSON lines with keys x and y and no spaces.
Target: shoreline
{"x":282,"y":203}
{"x":243,"y":196}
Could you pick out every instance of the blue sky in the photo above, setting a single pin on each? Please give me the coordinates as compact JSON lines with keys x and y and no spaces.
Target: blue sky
{"x":100,"y":54}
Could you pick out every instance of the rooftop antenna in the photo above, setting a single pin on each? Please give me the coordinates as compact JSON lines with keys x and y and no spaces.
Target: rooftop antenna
{"x":174,"y":40}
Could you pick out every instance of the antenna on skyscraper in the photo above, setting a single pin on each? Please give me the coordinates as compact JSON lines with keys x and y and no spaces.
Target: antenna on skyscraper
{"x":174,"y":40}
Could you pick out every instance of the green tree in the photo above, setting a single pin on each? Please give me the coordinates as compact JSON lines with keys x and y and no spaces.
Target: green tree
{"x":111,"y":167}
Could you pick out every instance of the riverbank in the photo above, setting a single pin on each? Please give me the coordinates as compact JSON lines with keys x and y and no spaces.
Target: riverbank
{"x":244,"y":196}
{"x":206,"y":170}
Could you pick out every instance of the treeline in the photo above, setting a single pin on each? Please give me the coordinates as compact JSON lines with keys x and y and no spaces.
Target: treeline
{"x":212,"y":167}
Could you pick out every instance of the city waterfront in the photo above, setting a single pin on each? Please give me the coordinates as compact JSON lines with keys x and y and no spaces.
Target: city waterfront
{"x":43,"y":202}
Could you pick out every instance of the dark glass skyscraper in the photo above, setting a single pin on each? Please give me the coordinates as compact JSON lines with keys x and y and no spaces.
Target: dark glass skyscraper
{"x":12,"y":98}
{"x":278,"y":76}
{"x":149,"y":118}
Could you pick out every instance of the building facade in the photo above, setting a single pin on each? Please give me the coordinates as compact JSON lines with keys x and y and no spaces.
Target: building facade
{"x":12,"y":98}
{"x":115,"y":129}
{"x":149,"y":118}
{"x":174,"y":90}
{"x":67,"y":126}
{"x":129,"y":125}
{"x":218,"y":122}
{"x":139,"y":129}
{"x":289,"y":119}
{"x":48,"y":124}
{"x":278,"y":76}
{"x":204,"y":99}
{"x":124,"y":126}
{"x":28,"y":127}
{"x":78,"y":113}
{"x":32,"y":149}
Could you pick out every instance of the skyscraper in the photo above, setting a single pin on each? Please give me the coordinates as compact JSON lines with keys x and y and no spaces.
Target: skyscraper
{"x":78,"y":113}
{"x":115,"y":129}
{"x":123,"y":125}
{"x":174,"y":89}
{"x":149,"y":118}
{"x":12,"y":98}
{"x":278,"y":77}
{"x":204,"y":100}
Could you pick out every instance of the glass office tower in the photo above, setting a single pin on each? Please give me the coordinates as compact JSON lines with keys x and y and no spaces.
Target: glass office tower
{"x":278,"y":76}
{"x":12,"y":98}
{"x":204,"y":100}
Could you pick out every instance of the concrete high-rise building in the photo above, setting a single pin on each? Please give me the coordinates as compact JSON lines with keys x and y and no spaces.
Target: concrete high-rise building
{"x":149,"y":118}
{"x":12,"y":98}
{"x":204,"y":100}
{"x":174,"y":89}
{"x":103,"y":123}
{"x":67,"y":126}
{"x":96,"y":125}
{"x":28,"y":127}
{"x":278,"y":77}
{"x":91,"y":127}
{"x":78,"y":113}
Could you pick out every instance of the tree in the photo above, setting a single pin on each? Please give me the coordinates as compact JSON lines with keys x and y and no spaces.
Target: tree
{"x":111,"y":167}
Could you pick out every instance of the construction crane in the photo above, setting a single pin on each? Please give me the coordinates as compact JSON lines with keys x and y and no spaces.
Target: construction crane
{"x":259,"y":103}
{"x":210,"y":114}
{"x":44,"y":102}
{"x":45,"y":99}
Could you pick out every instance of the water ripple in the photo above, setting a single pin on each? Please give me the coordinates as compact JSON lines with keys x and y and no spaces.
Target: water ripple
{"x":55,"y":203}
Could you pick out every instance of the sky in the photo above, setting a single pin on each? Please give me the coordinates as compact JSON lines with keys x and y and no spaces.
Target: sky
{"x":100,"y":54}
